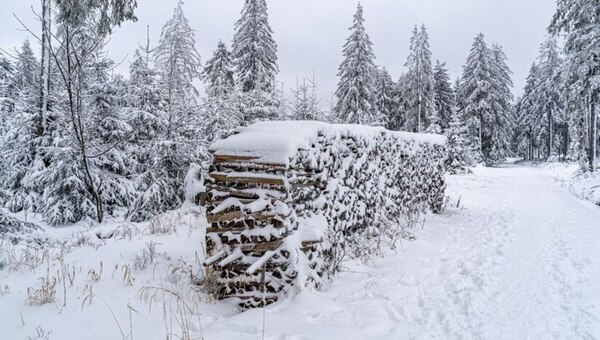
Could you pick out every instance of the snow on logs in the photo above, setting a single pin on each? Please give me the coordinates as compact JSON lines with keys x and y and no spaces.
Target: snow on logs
{"x":287,"y":201}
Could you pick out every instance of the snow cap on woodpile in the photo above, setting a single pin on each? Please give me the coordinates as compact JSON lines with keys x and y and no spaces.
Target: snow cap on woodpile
{"x":275,"y":142}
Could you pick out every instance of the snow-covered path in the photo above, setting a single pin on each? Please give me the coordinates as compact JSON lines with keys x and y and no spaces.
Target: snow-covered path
{"x":520,"y":260}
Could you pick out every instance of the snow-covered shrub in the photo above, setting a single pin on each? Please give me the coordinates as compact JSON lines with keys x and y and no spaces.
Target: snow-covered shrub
{"x":15,"y":230}
{"x":287,"y":202}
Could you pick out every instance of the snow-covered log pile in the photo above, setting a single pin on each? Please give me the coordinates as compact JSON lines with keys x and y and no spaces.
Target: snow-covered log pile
{"x":287,"y":201}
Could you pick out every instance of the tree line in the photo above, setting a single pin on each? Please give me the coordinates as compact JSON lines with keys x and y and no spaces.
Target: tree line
{"x":557,"y":116}
{"x":81,"y":142}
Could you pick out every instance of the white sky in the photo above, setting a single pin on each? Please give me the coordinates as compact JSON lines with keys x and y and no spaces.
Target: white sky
{"x":310,"y":33}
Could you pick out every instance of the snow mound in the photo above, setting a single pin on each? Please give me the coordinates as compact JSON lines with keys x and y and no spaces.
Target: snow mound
{"x":276,"y":142}
{"x":16,"y":230}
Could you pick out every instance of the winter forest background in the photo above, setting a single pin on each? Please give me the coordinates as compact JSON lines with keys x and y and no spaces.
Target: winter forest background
{"x":179,"y":181}
{"x":80,"y":141}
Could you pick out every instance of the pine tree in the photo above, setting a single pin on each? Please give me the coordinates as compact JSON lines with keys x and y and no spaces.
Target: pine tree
{"x":419,"y":82}
{"x":177,"y":57}
{"x":443,"y":94}
{"x":356,"y":100}
{"x":385,"y":93}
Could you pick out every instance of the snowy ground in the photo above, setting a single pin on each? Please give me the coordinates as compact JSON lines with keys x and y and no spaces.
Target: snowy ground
{"x":519,"y":259}
{"x":585,"y":186}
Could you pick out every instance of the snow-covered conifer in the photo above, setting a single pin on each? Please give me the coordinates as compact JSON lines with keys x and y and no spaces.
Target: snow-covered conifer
{"x":356,"y":91}
{"x":456,"y":133}
{"x":475,"y":98}
{"x":385,"y":93}
{"x":305,"y":105}
{"x":419,"y":83}
{"x":218,"y":73}
{"x":179,"y":63}
{"x":443,"y":94}
{"x":501,"y":125}
{"x":17,"y":141}
{"x":398,"y":115}
{"x":254,"y":52}
{"x":254,"y":49}
{"x":578,"y":21}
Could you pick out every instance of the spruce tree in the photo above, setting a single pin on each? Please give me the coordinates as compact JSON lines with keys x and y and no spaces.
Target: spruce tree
{"x":419,"y":83}
{"x":529,"y":117}
{"x":398,"y":115}
{"x":501,"y":125}
{"x":475,"y":98}
{"x":145,"y":102}
{"x":177,"y":58}
{"x":356,"y":91}
{"x":17,"y":144}
{"x":222,"y":108}
{"x":551,"y":95}
{"x":541,"y":107}
{"x":385,"y":92}
{"x":305,"y":104}
{"x":579,"y":22}
{"x":160,"y":186}
{"x":254,"y":49}
{"x":443,"y":94}
{"x":254,"y":53}
{"x":457,"y":160}
{"x":218,"y":73}
{"x":6,"y":102}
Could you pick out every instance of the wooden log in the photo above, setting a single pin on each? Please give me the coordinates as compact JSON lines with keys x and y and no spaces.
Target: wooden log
{"x":230,"y":158}
{"x":238,"y":215}
{"x":225,"y":177}
{"x":246,"y":166}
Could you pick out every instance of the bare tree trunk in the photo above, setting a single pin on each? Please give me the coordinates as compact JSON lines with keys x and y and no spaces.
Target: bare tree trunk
{"x":44,"y":68}
{"x":550,"y":134}
{"x":481,"y":134}
{"x":71,"y":74}
{"x":419,"y":128}
{"x":170,"y":114}
{"x":593,"y":133}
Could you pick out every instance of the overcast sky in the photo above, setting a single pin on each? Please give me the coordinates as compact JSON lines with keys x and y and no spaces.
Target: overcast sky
{"x":310,"y":33}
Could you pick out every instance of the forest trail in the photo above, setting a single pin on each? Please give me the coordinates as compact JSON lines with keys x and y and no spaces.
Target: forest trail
{"x":520,"y":260}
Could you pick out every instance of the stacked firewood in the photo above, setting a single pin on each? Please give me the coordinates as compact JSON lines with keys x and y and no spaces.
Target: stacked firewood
{"x":292,"y":220}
